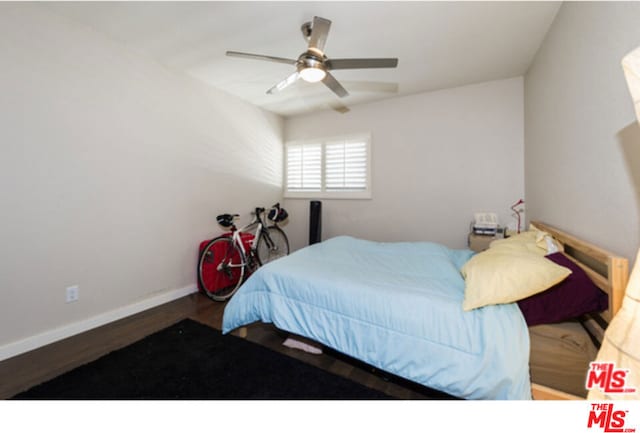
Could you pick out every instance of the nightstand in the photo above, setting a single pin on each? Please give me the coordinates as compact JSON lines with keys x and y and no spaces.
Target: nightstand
{"x":479,"y":243}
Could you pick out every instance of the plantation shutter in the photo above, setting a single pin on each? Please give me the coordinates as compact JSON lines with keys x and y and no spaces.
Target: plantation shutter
{"x":336,"y":167}
{"x":304,"y":167}
{"x":346,"y":165}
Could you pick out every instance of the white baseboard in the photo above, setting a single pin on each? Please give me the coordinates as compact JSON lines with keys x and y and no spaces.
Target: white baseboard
{"x":39,"y":340}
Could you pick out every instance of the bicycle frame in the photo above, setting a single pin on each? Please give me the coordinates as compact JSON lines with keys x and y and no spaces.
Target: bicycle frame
{"x":259,"y":224}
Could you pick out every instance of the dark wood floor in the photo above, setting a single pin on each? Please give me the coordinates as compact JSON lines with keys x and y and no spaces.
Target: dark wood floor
{"x":24,"y":371}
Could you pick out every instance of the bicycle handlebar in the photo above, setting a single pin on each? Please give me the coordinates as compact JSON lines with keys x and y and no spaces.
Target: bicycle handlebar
{"x":260,"y":210}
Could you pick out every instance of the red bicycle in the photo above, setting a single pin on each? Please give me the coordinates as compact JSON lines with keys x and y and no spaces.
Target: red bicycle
{"x":227,"y":261}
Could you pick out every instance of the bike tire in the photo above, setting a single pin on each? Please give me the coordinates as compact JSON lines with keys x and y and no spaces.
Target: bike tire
{"x":279,"y":245}
{"x":220,"y":282}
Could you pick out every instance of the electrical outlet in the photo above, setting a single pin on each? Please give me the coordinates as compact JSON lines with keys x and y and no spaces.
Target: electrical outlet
{"x":73,"y":293}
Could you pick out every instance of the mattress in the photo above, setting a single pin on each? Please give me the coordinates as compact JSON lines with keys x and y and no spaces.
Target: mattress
{"x":396,"y":307}
{"x":560,"y":354}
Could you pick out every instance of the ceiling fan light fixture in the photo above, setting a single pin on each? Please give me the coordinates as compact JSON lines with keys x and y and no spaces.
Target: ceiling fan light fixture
{"x":312,"y":74}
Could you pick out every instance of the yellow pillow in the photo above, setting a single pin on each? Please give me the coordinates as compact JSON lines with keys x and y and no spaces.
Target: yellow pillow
{"x":533,"y":240}
{"x":501,"y":276}
{"x":523,"y":242}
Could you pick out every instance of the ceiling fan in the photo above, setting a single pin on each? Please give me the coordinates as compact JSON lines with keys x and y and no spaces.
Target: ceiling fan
{"x":313,"y":65}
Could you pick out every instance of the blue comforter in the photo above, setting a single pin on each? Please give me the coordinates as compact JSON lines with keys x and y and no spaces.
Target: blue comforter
{"x":396,"y":306}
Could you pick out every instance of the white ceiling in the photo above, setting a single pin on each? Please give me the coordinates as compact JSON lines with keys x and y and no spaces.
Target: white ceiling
{"x":438,"y":44}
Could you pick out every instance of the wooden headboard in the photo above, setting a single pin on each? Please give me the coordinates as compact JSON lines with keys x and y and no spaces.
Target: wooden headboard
{"x":608,"y":271}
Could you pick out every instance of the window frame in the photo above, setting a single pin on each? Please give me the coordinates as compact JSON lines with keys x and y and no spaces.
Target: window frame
{"x":323,"y":193}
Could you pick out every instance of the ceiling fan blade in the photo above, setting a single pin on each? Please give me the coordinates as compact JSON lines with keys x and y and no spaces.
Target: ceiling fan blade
{"x":319,"y":33}
{"x":261,"y":57}
{"x":284,"y":83}
{"x":360,"y":63}
{"x":331,"y":82}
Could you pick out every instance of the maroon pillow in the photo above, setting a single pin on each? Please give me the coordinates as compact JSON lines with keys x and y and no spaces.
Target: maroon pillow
{"x":574,"y":296}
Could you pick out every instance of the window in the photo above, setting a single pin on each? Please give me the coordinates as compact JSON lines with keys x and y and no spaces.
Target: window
{"x":337,"y":167}
{"x":304,"y":167}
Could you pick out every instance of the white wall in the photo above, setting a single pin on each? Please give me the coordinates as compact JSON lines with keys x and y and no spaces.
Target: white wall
{"x":437,"y":158}
{"x":582,"y":149}
{"x":112,"y":169}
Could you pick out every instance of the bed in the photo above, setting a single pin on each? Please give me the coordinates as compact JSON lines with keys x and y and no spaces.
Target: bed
{"x":396,"y":307}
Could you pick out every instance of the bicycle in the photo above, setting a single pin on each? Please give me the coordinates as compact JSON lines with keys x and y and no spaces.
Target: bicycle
{"x":229,"y":259}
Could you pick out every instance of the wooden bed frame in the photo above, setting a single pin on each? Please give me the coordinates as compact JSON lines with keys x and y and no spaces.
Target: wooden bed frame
{"x":608,"y":271}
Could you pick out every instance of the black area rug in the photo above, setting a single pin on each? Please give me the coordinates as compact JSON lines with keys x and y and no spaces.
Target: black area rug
{"x":192,"y":361}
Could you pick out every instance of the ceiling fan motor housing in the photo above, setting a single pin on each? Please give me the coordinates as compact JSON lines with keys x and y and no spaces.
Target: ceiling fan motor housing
{"x":310,"y":60}
{"x":311,"y":67}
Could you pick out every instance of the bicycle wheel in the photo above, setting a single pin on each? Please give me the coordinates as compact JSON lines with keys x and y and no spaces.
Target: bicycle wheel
{"x":272,"y":244}
{"x":221,"y":269}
